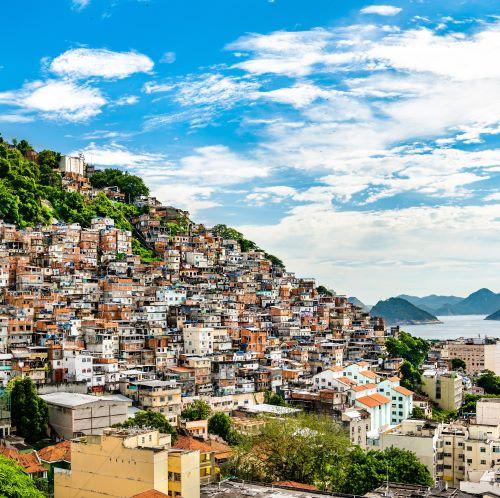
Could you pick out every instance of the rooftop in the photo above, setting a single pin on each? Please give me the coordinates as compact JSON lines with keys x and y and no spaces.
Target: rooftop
{"x":72,"y":400}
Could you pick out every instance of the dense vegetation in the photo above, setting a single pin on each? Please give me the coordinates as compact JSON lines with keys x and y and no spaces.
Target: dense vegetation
{"x":489,"y":382}
{"x":197,"y":410}
{"x":29,"y":412}
{"x":245,"y":244}
{"x":470,"y":401}
{"x":15,"y":483}
{"x":32,"y":193}
{"x":413,"y":350}
{"x":458,"y":364}
{"x":152,"y":420}
{"x":316,"y":450}
{"x":131,"y":185}
{"x":221,"y":425}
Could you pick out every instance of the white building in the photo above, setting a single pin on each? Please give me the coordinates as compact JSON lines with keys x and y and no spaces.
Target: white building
{"x":71,"y":164}
{"x":198,"y":340}
{"x":379,"y":408}
{"x":72,"y":415}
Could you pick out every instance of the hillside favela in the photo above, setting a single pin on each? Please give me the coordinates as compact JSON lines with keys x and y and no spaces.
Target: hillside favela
{"x":197,"y":204}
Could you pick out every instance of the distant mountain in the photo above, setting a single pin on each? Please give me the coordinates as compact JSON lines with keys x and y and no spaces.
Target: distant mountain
{"x":431,"y":303}
{"x":354,"y":300}
{"x":494,"y":316}
{"x":397,"y":311}
{"x":481,"y":302}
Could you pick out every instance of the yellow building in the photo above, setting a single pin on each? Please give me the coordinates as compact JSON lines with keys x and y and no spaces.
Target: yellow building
{"x":122,"y":463}
{"x":184,"y":473}
{"x":444,"y":388}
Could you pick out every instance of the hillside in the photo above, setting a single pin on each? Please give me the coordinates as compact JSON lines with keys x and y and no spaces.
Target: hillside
{"x":481,"y":302}
{"x":354,"y":300}
{"x":397,"y":311}
{"x":34,"y":192}
{"x":431,"y":303}
{"x":494,"y":316}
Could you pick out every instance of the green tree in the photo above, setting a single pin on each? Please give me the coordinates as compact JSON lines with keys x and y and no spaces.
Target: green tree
{"x":366,"y":470}
{"x":302,"y":448}
{"x":197,"y":410}
{"x":418,"y":413}
{"x":274,"y":399}
{"x":131,"y":185}
{"x":440,"y":415}
{"x":458,"y":364}
{"x":153,"y":420}
{"x":470,"y":400}
{"x":9,"y":205}
{"x":489,"y":382}
{"x":220,"y":424}
{"x":29,"y":412}
{"x":413,"y":350}
{"x":24,"y":147}
{"x":323,"y":290}
{"x":15,"y":483}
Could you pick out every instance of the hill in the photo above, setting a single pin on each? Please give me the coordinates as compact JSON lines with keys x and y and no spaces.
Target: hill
{"x":34,"y":192}
{"x":397,"y":311}
{"x":354,"y":300}
{"x":494,"y":316}
{"x":431,"y":303}
{"x":481,"y":302}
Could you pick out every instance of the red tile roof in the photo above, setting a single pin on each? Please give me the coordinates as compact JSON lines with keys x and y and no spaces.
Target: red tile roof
{"x":151,"y":493}
{"x":296,"y":485}
{"x":56,"y":452}
{"x":363,"y":387}
{"x":192,"y":444}
{"x":30,"y":462}
{"x":373,"y":400}
{"x":403,"y":390}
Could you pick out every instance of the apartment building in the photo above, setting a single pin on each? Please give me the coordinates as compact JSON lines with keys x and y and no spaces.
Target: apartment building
{"x":156,"y":395}
{"x":124,"y":463}
{"x":477,"y":353}
{"x":444,"y":388}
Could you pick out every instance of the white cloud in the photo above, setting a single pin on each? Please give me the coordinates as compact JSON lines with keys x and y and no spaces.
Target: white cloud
{"x":80,"y":4}
{"x":299,"y":95}
{"x":495,"y":197}
{"x":168,"y":58}
{"x":127,"y":100}
{"x":55,"y":99}
{"x":103,"y":63}
{"x":193,"y":198}
{"x":117,"y":155}
{"x":207,"y":89}
{"x":261,"y":196}
{"x":15,"y":118}
{"x":367,"y":252}
{"x":283,"y":52}
{"x":206,"y":95}
{"x":381,"y":10}
{"x":218,"y":165}
{"x":422,"y":50}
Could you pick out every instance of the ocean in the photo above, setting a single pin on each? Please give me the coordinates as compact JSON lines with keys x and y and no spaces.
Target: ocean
{"x":456,"y":326}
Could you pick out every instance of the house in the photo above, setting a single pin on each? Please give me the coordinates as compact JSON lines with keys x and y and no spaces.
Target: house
{"x":30,"y":462}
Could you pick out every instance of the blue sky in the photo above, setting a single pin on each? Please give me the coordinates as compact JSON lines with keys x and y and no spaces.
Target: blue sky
{"x":356,"y":140}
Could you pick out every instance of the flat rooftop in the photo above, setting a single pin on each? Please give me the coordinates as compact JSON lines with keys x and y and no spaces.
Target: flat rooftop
{"x":72,"y":400}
